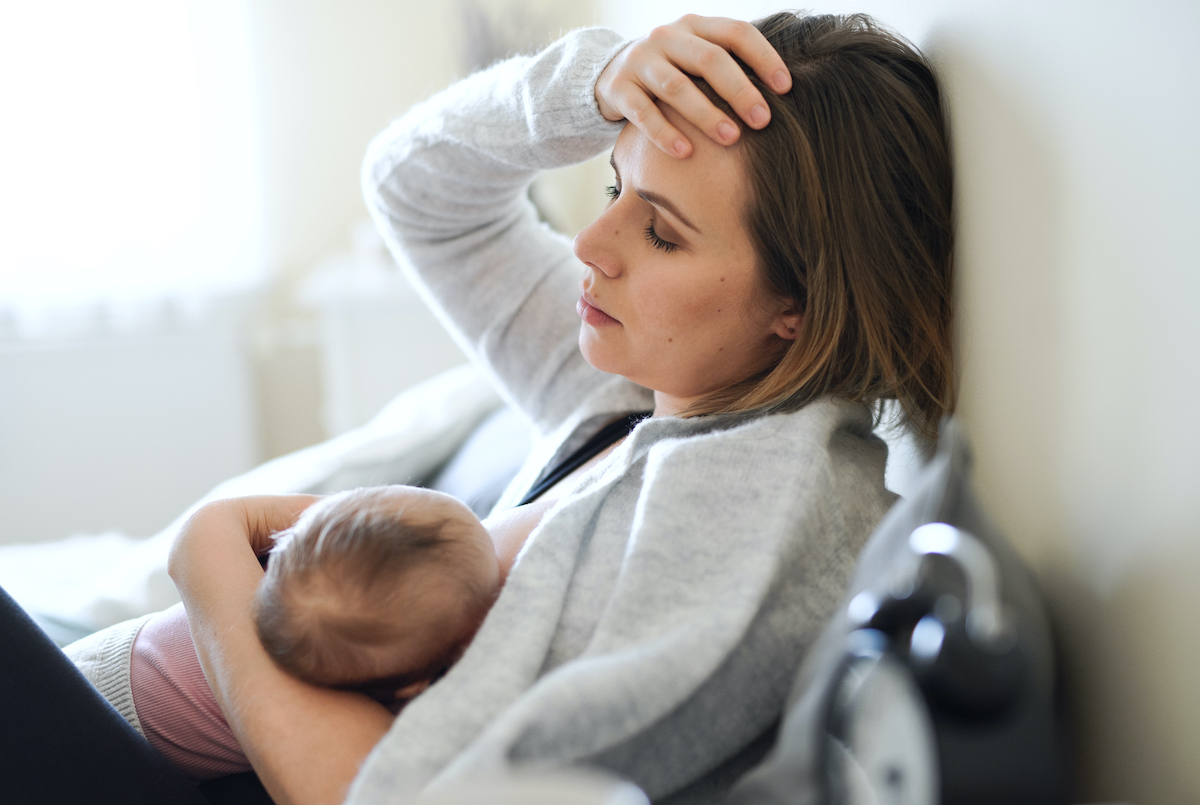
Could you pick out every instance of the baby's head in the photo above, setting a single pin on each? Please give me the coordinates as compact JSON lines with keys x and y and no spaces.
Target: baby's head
{"x":377,"y":590}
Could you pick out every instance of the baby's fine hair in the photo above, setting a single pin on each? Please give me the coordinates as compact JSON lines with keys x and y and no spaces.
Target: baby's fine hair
{"x":333,"y":580}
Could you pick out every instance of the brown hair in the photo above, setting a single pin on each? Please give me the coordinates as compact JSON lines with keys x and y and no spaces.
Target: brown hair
{"x":335,"y":580}
{"x":850,"y":214}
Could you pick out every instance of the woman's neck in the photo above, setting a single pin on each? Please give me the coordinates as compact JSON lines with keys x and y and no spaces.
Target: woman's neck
{"x":668,"y":405}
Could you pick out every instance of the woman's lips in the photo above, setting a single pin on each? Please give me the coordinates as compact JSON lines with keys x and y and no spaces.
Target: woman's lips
{"x":591,"y":314}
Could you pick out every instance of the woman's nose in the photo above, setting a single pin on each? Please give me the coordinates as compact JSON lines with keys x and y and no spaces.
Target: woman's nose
{"x":597,"y":245}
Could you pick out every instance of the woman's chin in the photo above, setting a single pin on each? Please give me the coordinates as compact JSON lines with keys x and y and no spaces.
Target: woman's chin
{"x":595,"y":351}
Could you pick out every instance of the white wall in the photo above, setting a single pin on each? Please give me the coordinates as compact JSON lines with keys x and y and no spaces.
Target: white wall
{"x":120,"y":431}
{"x":1075,"y":126}
{"x":331,"y":77}
{"x":1079,"y":168}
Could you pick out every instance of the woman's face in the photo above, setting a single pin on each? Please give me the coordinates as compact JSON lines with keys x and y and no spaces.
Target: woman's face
{"x":671,"y":296}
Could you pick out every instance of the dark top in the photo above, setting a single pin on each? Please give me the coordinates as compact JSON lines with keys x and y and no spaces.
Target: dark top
{"x":610,"y":434}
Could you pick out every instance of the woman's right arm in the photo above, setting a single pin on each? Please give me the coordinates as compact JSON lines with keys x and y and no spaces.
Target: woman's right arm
{"x":447,"y":186}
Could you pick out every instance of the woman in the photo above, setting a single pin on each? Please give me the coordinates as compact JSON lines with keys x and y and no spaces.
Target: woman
{"x":775,"y":262}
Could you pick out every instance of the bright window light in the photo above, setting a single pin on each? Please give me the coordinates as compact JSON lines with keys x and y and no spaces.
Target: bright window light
{"x":128,"y":154}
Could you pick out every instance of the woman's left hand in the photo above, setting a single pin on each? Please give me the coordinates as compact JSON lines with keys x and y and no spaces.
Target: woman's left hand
{"x":659,"y":66}
{"x":220,"y":544}
{"x":247,"y":521}
{"x":265,"y":516}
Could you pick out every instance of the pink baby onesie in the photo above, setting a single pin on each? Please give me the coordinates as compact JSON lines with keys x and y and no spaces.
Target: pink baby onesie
{"x":174,"y":703}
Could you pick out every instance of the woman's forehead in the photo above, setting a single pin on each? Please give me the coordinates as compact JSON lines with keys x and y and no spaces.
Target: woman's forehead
{"x":706,"y":186}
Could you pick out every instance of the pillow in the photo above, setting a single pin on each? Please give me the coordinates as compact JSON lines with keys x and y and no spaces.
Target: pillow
{"x":480,"y":471}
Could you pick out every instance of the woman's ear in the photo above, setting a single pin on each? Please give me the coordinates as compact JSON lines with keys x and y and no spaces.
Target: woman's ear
{"x":787,"y":323}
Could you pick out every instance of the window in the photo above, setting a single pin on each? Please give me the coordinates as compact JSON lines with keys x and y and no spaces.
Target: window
{"x":128,"y":152}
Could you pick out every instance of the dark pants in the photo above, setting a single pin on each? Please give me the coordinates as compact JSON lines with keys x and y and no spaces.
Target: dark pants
{"x":62,"y":742}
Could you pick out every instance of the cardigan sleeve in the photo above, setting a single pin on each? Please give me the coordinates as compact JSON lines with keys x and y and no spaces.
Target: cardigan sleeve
{"x":447,"y":185}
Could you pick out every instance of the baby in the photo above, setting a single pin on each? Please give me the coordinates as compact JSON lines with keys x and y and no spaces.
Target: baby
{"x":376,"y":591}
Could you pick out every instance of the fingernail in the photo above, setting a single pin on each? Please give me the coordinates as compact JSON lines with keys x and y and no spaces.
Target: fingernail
{"x":726,"y":130}
{"x":679,"y":147}
{"x":781,"y":80}
{"x":759,"y":115}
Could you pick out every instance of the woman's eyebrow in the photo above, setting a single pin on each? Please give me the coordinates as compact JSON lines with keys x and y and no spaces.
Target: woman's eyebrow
{"x":656,"y":199}
{"x":659,"y":201}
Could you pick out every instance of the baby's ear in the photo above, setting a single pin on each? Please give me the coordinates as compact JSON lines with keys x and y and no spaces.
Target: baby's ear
{"x":412,"y":691}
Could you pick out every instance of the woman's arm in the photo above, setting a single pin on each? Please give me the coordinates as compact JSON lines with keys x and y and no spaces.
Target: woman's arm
{"x":447,"y":186}
{"x":305,"y":742}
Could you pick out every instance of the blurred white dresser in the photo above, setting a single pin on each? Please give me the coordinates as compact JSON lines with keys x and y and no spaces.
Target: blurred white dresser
{"x":118,"y":417}
{"x":376,"y":336}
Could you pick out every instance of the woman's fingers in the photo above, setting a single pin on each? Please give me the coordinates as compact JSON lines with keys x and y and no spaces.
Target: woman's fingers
{"x":706,"y":54}
{"x":623,"y":93}
{"x":265,"y":515}
{"x":748,"y":44}
{"x":646,"y":72}
{"x":677,"y":89}
{"x":715,"y":65}
{"x":632,"y":101}
{"x":660,"y":66}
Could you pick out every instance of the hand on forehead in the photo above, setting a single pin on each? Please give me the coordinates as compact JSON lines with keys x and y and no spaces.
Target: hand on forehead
{"x":660,"y":66}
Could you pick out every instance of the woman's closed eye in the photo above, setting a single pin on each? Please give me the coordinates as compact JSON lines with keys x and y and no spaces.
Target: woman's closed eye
{"x":613,"y":191}
{"x":657,"y":241}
